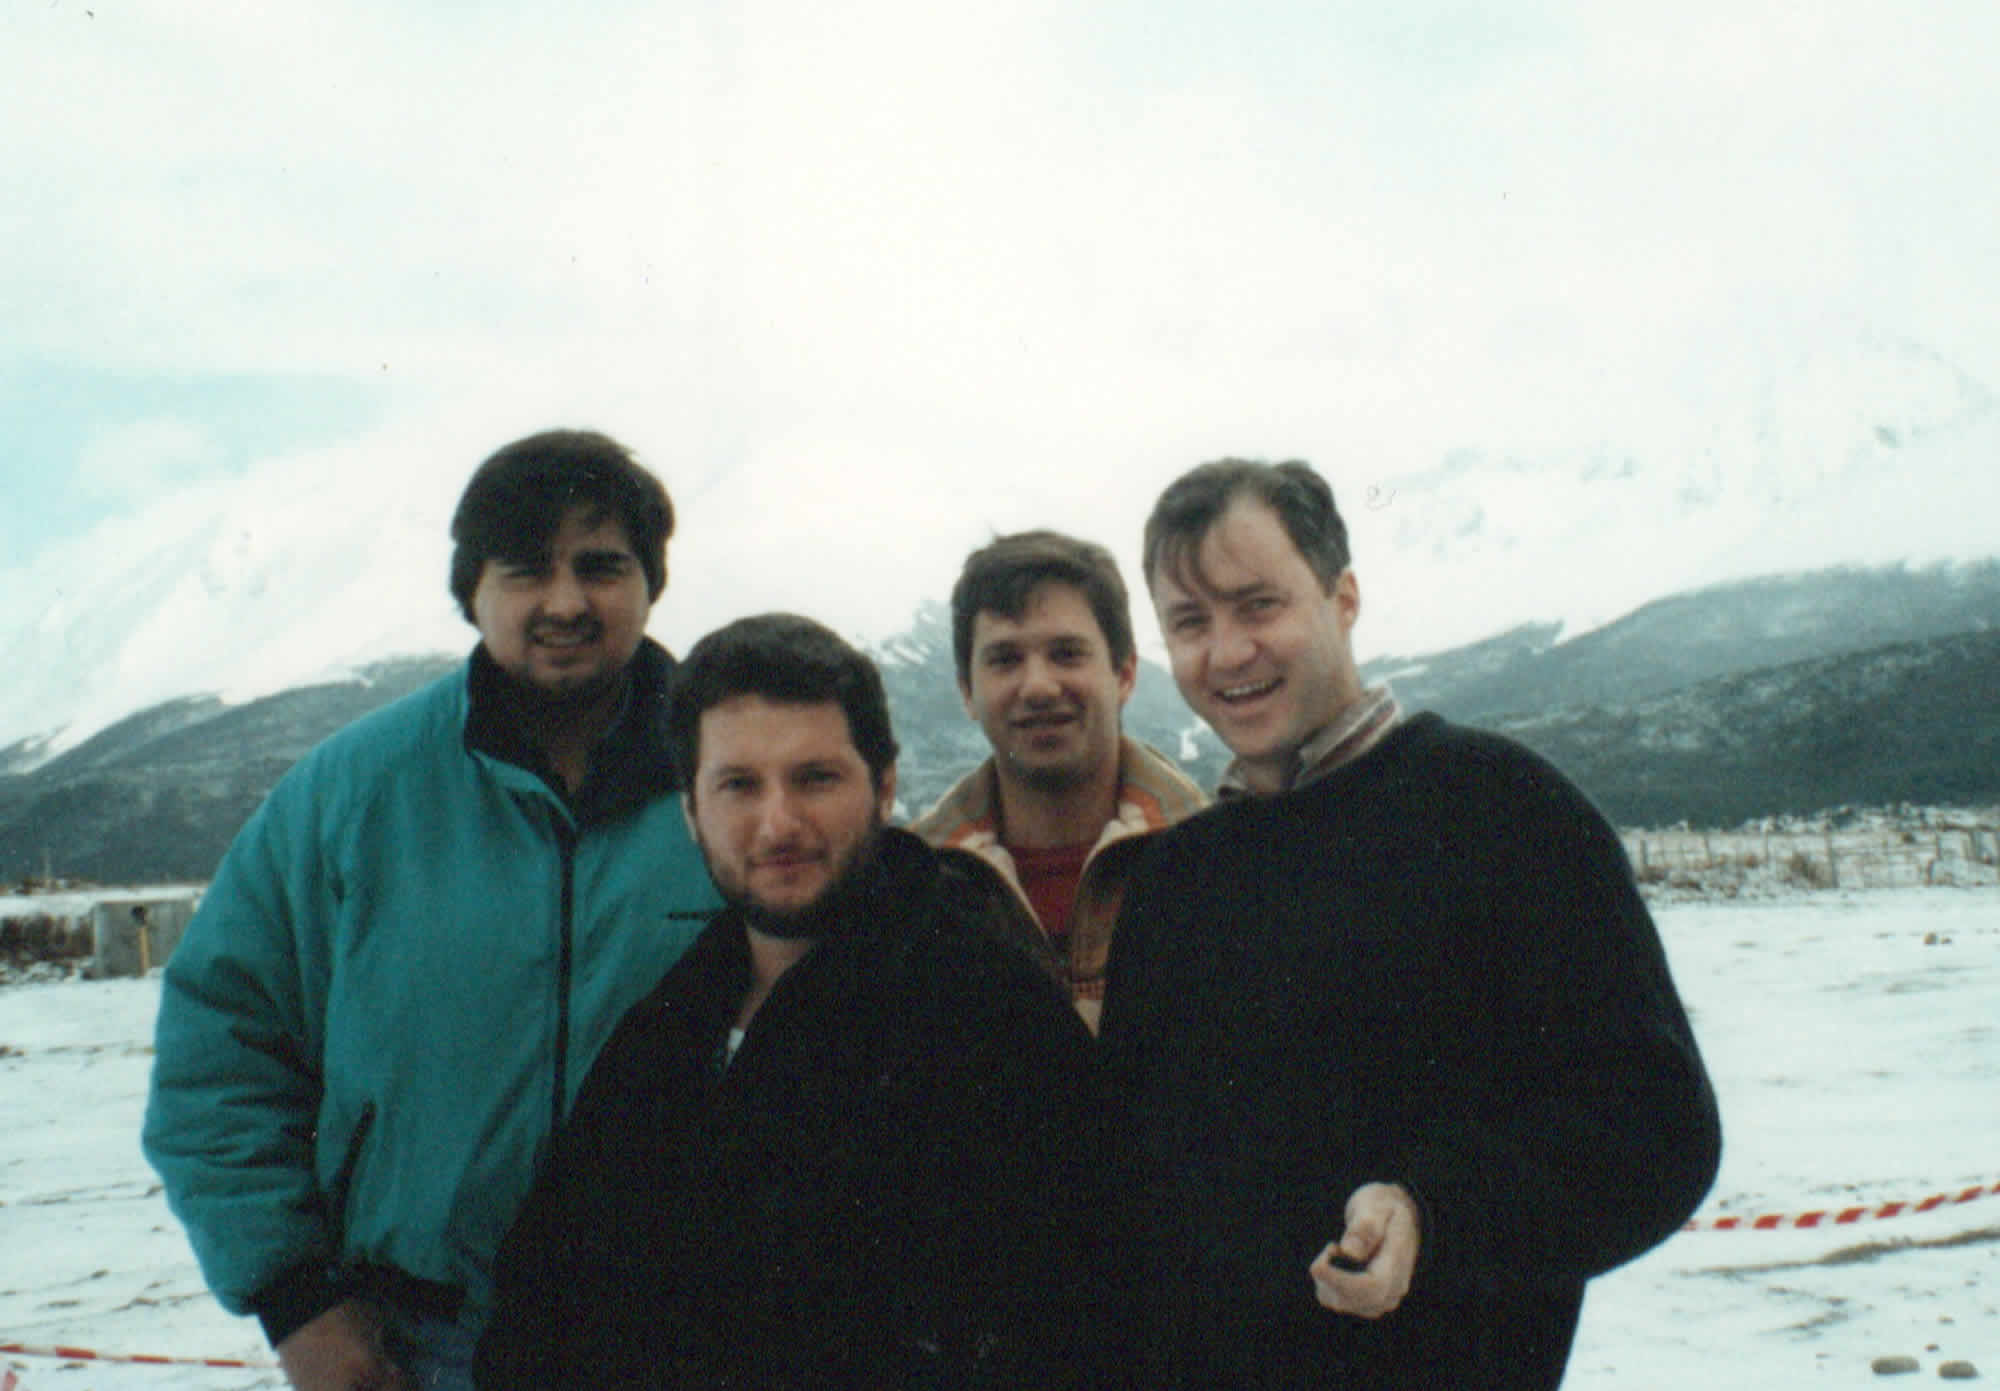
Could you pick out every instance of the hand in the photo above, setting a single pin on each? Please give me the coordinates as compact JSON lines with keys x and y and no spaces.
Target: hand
{"x":1378,"y":1252}
{"x":341,"y":1350}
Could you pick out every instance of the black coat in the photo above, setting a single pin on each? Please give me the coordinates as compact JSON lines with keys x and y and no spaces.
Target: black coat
{"x":1431,"y":968}
{"x":894,"y":1184}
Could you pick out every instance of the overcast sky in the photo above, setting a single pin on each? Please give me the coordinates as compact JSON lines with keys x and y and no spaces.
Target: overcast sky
{"x":868,"y":282}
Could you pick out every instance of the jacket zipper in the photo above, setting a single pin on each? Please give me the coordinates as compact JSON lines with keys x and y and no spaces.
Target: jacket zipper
{"x":565,"y":960}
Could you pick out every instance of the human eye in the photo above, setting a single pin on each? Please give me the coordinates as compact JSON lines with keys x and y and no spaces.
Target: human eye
{"x":1000,"y":658}
{"x":1069,"y":654}
{"x":604,"y":567}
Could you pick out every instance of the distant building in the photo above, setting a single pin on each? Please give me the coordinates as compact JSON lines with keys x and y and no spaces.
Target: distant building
{"x":100,"y":932}
{"x":131,"y":933}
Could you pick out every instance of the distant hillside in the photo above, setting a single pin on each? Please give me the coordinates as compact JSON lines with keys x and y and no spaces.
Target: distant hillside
{"x":1676,"y":642}
{"x":158,"y":796}
{"x":1785,"y":695}
{"x":1911,"y":722}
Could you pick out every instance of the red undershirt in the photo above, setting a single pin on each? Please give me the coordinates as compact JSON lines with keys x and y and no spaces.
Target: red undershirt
{"x":1049,"y":878}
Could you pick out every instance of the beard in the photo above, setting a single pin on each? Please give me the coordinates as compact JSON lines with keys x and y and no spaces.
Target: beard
{"x":574,"y":693}
{"x":828,"y":913}
{"x":544,"y":711}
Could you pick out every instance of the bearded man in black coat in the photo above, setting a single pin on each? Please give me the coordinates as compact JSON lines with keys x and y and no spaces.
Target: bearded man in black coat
{"x":851,"y":1139}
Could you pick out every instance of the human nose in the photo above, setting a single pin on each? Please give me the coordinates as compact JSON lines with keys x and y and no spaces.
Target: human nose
{"x":1230,"y":645}
{"x":564,"y":595}
{"x":1038,"y":680}
{"x":777,"y":817}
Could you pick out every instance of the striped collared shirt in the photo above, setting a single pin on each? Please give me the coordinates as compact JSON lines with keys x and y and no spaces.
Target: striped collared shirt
{"x":1358,"y":729}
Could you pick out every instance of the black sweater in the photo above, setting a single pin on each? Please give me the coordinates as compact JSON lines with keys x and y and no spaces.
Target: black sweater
{"x":1431,"y":968}
{"x":894,"y":1184}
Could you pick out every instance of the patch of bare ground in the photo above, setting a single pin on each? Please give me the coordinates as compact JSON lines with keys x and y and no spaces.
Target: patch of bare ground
{"x":1863,"y":1253}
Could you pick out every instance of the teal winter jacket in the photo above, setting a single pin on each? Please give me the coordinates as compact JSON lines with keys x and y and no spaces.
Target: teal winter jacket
{"x":394,"y":988}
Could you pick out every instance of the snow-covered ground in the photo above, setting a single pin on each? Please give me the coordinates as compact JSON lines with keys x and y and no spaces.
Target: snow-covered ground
{"x":1852,"y":1038}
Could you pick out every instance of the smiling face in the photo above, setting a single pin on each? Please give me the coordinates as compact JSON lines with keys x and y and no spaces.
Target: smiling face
{"x":783,"y":806}
{"x":1260,"y":649}
{"x":1044,"y":689}
{"x":564,"y":624}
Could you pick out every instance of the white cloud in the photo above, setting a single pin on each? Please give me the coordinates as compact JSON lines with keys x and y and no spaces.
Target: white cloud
{"x":971,"y":199}
{"x":865,"y":282}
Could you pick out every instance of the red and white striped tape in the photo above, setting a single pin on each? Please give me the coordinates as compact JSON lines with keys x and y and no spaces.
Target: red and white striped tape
{"x":70,"y":1354}
{"x":1840,"y":1217}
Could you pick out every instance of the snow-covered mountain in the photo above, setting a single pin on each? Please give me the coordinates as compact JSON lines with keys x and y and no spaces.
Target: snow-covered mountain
{"x":278,"y":579}
{"x":1866,"y":452}
{"x":1862,"y":451}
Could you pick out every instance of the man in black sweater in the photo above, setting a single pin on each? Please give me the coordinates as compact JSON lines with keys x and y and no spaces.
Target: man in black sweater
{"x":1401,"y":1057}
{"x":848,"y":1141}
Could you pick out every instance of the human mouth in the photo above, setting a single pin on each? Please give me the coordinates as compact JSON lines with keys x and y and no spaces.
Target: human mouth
{"x":784,"y":861}
{"x":579,"y":636}
{"x":1051,"y":720}
{"x":1246,"y":692}
{"x":1045,"y":734}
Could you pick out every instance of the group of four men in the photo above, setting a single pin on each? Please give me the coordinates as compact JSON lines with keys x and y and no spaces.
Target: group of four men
{"x":580,"y":1020}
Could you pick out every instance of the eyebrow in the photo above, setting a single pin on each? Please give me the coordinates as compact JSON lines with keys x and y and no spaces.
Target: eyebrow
{"x":1203,"y":593}
{"x":1014,"y":642}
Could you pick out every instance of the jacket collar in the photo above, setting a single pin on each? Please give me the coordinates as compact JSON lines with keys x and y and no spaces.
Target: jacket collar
{"x":1352,"y":734}
{"x":630,"y":768}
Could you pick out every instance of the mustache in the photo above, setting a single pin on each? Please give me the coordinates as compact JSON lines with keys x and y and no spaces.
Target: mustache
{"x":565,"y":627}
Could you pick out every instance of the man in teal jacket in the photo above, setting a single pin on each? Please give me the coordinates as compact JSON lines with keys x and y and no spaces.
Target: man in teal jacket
{"x":414,"y":950}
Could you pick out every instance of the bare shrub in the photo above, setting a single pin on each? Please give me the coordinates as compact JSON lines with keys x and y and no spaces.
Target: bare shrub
{"x":1802,"y":869}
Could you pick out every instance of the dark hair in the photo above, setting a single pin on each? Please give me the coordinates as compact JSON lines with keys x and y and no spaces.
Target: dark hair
{"x":1001,"y":576}
{"x":781,"y":657}
{"x":1194,"y":502}
{"x":514,"y":505}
